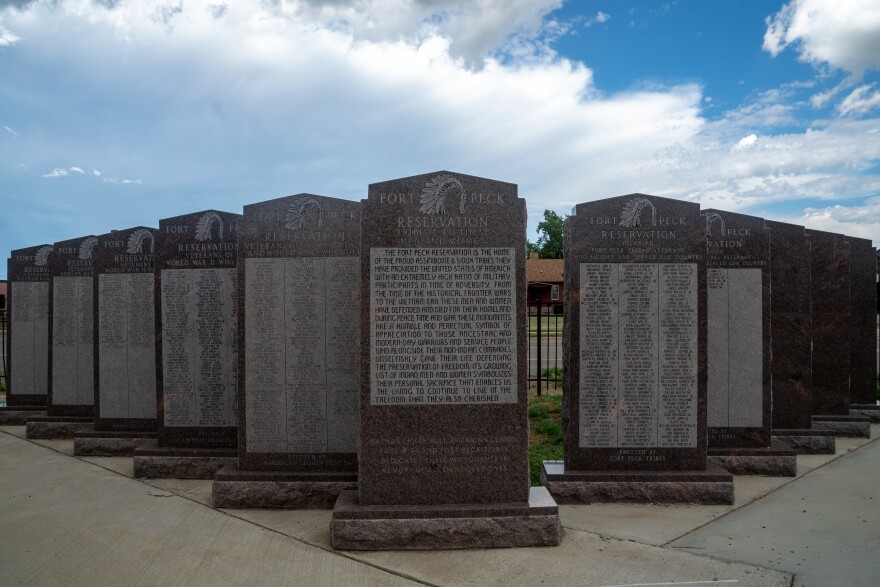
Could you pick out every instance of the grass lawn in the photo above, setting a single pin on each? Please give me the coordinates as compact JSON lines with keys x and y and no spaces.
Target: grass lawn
{"x":550,"y":325}
{"x":545,"y":438}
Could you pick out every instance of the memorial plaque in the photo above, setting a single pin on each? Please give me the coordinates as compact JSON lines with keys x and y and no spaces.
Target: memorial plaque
{"x":443,"y":369}
{"x":196,"y":289}
{"x":636,"y":328}
{"x":298,"y":279}
{"x":790,"y":328}
{"x":738,"y":333}
{"x":28,"y":326}
{"x":72,"y":328}
{"x":829,"y":292}
{"x":125,"y":330}
{"x":862,"y":320}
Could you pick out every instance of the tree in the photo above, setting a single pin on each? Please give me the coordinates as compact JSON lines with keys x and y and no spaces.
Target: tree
{"x":549,"y":245}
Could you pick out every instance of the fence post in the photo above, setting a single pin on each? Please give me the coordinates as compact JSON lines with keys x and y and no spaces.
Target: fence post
{"x":539,"y":345}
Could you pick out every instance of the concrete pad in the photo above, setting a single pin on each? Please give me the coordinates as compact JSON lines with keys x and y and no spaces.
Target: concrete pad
{"x":823,"y":526}
{"x":660,"y":524}
{"x":121,"y":465}
{"x":68,"y":522}
{"x":581,"y":559}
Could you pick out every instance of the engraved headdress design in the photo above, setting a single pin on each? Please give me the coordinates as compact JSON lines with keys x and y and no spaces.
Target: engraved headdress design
{"x":632,"y":211}
{"x":433,"y":198}
{"x":297,"y":211}
{"x":713,"y":217}
{"x":204,"y":225}
{"x":42,"y":256}
{"x":85,"y":247}
{"x":136,"y":241}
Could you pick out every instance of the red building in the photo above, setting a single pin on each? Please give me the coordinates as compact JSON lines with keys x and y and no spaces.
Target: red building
{"x":545,"y":279}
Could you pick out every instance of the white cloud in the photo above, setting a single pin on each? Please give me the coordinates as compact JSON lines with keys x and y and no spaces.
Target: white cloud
{"x":114,"y":180}
{"x":57,"y":172}
{"x":77,"y":170}
{"x":746,"y":142}
{"x":860,"y":220}
{"x":304,"y":102}
{"x":842,"y":33}
{"x":11,"y":131}
{"x":7,"y":37}
{"x":860,"y":101}
{"x":601,"y":17}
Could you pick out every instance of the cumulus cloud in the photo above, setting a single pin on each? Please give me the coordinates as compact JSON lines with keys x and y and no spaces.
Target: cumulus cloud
{"x":268,"y":98}
{"x":860,"y":101}
{"x":859,"y":220}
{"x":746,"y":142}
{"x":57,"y":172}
{"x":7,"y":38}
{"x":844,"y":34}
{"x":11,"y":131}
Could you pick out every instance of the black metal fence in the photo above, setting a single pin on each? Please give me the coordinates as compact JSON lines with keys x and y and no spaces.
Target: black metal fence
{"x":3,"y":380}
{"x":545,"y":345}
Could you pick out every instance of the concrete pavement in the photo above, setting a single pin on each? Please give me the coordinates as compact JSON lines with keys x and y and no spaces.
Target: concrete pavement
{"x":85,"y":521}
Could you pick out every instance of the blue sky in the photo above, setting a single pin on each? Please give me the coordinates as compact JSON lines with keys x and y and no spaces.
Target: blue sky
{"x":115,"y":113}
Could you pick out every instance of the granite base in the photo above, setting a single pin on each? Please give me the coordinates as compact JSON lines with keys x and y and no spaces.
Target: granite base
{"x":94,"y":443}
{"x":870,"y":411}
{"x":426,"y":527}
{"x":56,"y":427}
{"x":776,"y":460}
{"x":155,"y":462}
{"x":709,"y":487}
{"x":807,"y":441}
{"x":19,"y":415}
{"x":847,"y":426}
{"x":236,"y":488}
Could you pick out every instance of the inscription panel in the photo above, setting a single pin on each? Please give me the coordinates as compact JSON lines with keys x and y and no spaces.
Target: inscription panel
{"x":637,"y":364}
{"x":735,"y":364}
{"x":442,"y":330}
{"x":126,"y":330}
{"x":301,"y":348}
{"x":73,"y":381}
{"x":29,"y":346}
{"x":199,"y":346}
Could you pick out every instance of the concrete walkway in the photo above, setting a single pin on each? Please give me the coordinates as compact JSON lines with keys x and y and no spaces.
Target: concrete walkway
{"x":84,"y":521}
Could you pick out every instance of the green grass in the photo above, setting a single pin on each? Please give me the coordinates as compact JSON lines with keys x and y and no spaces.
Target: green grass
{"x":551,"y":325}
{"x":545,"y":441}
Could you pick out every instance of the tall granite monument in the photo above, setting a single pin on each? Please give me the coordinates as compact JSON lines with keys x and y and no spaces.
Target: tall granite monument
{"x":791,"y":331}
{"x":27,"y":332}
{"x":830,"y":310}
{"x":298,"y":278}
{"x":71,"y":390}
{"x":738,"y":362}
{"x":196,"y":348}
{"x":443,"y":402}
{"x":634,"y":407}
{"x":862,"y":330}
{"x":125,"y":346}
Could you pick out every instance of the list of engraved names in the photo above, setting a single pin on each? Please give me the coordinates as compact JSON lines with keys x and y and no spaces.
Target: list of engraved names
{"x":301,"y":352}
{"x":30,"y":337}
{"x":735,"y":346}
{"x":442,"y":326}
{"x":638,"y":355}
{"x":127,"y":345}
{"x":73,"y":380}
{"x":199,"y":364}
